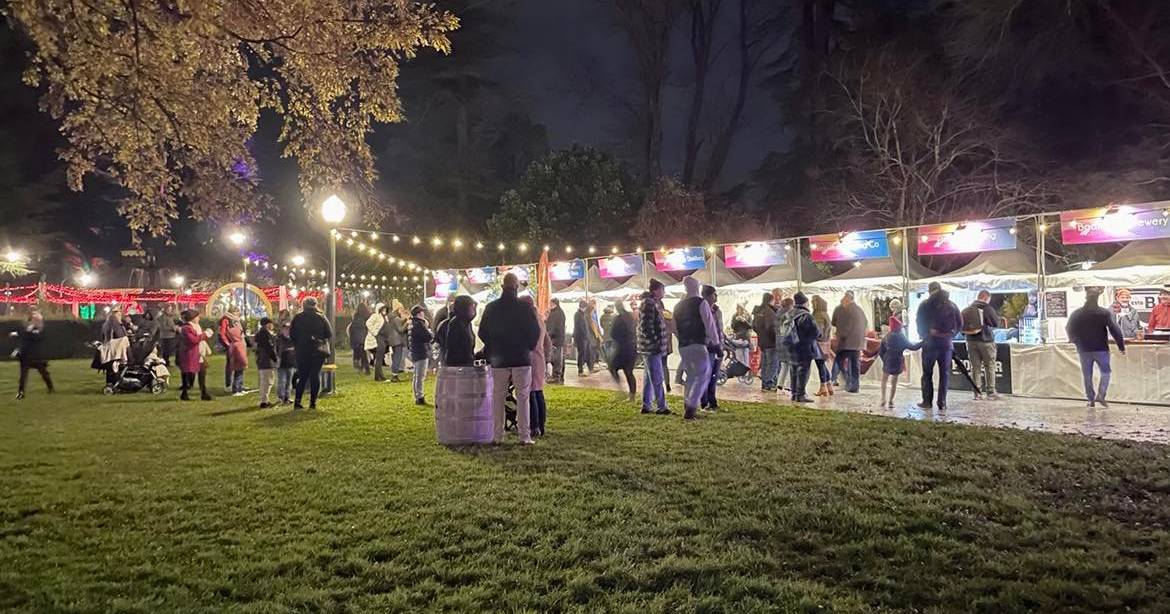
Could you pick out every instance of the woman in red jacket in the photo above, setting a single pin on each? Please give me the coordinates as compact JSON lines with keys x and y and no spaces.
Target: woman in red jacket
{"x":190,"y":356}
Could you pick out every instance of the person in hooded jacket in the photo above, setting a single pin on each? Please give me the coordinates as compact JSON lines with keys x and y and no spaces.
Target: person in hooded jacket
{"x":397,"y":329}
{"x":455,"y":338}
{"x":286,"y":364}
{"x":420,"y":338}
{"x":29,"y":352}
{"x":192,"y":345}
{"x":231,"y":334}
{"x":266,"y":358}
{"x":377,"y":339}
{"x":801,"y":345}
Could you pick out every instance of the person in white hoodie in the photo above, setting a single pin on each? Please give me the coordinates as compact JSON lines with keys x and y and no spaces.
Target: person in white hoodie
{"x":697,"y":333}
{"x":376,"y":341}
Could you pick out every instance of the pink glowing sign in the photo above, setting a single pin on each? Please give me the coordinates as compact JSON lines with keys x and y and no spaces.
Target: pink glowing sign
{"x":619,"y":266}
{"x":758,"y":254}
{"x":967,"y":237}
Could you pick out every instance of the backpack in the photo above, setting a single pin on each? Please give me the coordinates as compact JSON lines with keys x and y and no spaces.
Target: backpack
{"x":787,"y":332}
{"x":973,"y":320}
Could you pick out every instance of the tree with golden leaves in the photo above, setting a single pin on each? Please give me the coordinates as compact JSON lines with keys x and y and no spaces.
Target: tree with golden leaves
{"x":162,"y":97}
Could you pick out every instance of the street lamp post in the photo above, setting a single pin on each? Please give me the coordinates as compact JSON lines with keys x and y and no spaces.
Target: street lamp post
{"x":333,"y":212}
{"x":238,"y":239}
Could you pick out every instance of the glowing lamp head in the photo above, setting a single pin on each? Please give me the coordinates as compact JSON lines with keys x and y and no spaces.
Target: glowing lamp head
{"x":178,"y":280}
{"x":86,"y":278}
{"x":298,"y":260}
{"x":237,"y":238}
{"x":333,"y":209}
{"x":13,"y":256}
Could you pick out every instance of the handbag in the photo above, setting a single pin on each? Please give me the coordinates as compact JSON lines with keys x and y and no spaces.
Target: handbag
{"x":322,"y":348}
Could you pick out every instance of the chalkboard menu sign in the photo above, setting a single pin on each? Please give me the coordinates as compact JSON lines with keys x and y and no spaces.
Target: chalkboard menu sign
{"x":1056,"y":304}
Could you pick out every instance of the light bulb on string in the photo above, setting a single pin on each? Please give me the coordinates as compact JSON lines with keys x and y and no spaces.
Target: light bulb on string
{"x":479,"y":245}
{"x":592,"y":249}
{"x":415,"y":240}
{"x":500,"y":247}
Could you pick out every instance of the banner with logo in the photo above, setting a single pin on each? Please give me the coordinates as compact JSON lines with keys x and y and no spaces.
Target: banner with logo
{"x":481,"y":275}
{"x":568,"y":270}
{"x":682,"y":259}
{"x":757,"y":254}
{"x":1115,"y":223}
{"x":862,"y":245}
{"x":967,"y":237}
{"x":620,"y":266}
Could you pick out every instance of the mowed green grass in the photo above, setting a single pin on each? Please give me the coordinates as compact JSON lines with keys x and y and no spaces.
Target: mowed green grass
{"x":142,"y":504}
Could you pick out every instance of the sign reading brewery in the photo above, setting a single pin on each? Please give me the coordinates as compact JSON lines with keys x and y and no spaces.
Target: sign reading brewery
{"x":1116,"y":223}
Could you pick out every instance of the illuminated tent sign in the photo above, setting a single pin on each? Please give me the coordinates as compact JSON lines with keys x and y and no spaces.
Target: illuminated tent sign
{"x":862,"y":245}
{"x":967,"y":237}
{"x":446,"y":283}
{"x":757,"y":254}
{"x":620,"y":266}
{"x":682,"y":259}
{"x":481,"y":275}
{"x":567,"y":270}
{"x":1115,"y":223}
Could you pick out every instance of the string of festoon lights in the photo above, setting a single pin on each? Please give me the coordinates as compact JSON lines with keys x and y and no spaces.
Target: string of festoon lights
{"x":353,"y":240}
{"x":458,"y":244}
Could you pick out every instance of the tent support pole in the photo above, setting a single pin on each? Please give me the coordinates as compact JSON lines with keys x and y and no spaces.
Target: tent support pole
{"x":905,"y":269}
{"x":799,"y":265}
{"x":645,"y":274}
{"x":711,"y":265}
{"x":586,"y":280}
{"x":1042,"y":315}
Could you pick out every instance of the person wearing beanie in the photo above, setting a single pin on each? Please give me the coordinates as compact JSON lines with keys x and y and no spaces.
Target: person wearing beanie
{"x":891,"y":351}
{"x":801,"y":342}
{"x":1089,"y":328}
{"x":419,"y":338}
{"x":696,"y":332}
{"x":266,"y":359}
{"x":652,"y":340}
{"x":714,"y":350}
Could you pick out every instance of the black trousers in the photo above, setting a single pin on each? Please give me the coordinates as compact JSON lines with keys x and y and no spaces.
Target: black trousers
{"x":709,"y":400}
{"x":628,"y":370}
{"x":379,"y":361}
{"x":187,"y":381}
{"x":166,"y":348}
{"x":798,"y":378}
{"x":39,"y":366}
{"x":361,"y":360}
{"x":309,"y":374}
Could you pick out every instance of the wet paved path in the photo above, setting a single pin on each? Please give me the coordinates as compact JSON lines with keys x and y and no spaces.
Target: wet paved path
{"x":1119,"y":421}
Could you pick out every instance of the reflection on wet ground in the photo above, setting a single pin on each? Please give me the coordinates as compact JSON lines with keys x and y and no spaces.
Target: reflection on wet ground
{"x":1118,"y":421}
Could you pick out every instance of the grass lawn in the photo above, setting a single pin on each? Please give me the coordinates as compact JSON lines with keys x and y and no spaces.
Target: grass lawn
{"x":144,"y":504}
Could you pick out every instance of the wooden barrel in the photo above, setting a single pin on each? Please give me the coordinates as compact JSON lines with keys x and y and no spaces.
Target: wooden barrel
{"x":463,"y":406}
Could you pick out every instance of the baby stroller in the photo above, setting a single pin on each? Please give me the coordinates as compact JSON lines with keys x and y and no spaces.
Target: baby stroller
{"x":143,"y":370}
{"x":732,"y":365}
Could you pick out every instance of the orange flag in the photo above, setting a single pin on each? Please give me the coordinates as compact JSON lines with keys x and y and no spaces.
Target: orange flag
{"x":543,"y":285}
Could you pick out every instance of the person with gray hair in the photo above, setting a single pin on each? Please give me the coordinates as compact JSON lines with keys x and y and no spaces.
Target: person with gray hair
{"x":510,"y":331}
{"x":311,"y":335}
{"x":850,"y":322}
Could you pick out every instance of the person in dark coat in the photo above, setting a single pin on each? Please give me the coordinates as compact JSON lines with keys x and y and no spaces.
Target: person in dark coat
{"x":764,"y":325}
{"x":582,"y":339}
{"x":1089,"y":328}
{"x":624,"y":341}
{"x":168,"y":332}
{"x":803,"y":349}
{"x":938,"y":322}
{"x":555,"y":325}
{"x":398,"y":323}
{"x":310,"y":333}
{"x":419,"y":338}
{"x":286,"y":359}
{"x":357,"y":338}
{"x":891,"y":351}
{"x":266,"y":359}
{"x":714,"y":350}
{"x":454,"y":335}
{"x":509,"y":331}
{"x":30,"y":354}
